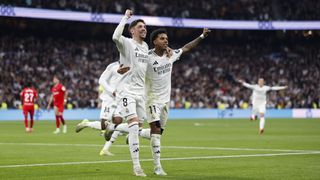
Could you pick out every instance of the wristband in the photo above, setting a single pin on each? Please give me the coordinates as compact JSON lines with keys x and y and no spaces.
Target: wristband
{"x":202,"y":36}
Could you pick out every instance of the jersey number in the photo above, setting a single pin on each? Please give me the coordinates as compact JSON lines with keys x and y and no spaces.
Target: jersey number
{"x":154,"y":109}
{"x":28,"y":97}
{"x":125,"y":101}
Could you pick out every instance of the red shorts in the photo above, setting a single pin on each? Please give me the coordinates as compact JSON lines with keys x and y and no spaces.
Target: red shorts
{"x":28,"y":109}
{"x":60,"y":107}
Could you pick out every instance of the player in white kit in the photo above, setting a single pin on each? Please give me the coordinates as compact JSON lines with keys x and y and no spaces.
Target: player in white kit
{"x":109,"y":113}
{"x":259,"y":99}
{"x":158,"y":84}
{"x":134,"y":54}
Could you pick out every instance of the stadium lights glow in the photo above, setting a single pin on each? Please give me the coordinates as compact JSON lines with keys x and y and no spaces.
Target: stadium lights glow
{"x":10,"y":11}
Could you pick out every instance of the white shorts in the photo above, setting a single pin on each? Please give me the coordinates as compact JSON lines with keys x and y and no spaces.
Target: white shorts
{"x":158,"y":112}
{"x":258,"y":109}
{"x":132,"y":107}
{"x":108,"y":109}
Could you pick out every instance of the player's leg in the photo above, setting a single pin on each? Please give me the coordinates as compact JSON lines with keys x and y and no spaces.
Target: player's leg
{"x":262,"y":110}
{"x":254,"y":113}
{"x":155,"y":111}
{"x":61,"y":109}
{"x":25,"y":114}
{"x":110,"y":136}
{"x":128,"y":110}
{"x":56,"y":111}
{"x":31,"y":119}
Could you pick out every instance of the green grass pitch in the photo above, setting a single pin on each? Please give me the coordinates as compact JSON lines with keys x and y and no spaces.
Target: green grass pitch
{"x":192,"y":149}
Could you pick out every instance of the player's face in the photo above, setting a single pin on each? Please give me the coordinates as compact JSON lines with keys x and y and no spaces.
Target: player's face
{"x":161,"y":41}
{"x":55,"y":80}
{"x":261,"y":82}
{"x":139,"y":31}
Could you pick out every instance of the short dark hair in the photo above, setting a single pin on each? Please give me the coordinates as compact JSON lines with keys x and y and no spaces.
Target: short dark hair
{"x":155,"y":34}
{"x":135,"y":22}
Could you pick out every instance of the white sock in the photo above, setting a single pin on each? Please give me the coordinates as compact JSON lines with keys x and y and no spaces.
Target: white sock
{"x":155,"y":148}
{"x":134,"y":143}
{"x":262,"y":122}
{"x":94,"y":125}
{"x":145,"y":133}
{"x":253,"y":116}
{"x":123,"y":127}
{"x":113,"y":138}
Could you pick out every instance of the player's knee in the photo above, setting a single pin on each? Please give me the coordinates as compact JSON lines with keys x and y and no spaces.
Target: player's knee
{"x":155,"y":127}
{"x":117,"y":120}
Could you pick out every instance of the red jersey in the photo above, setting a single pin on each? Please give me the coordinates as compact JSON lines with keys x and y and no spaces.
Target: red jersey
{"x":58,"y":94}
{"x":28,"y":95}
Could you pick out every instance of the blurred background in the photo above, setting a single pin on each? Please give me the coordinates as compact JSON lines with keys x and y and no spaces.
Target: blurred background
{"x":33,"y":50}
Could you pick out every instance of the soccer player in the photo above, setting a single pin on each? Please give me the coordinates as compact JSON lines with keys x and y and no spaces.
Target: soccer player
{"x":109,"y":113}
{"x":59,"y":98}
{"x":134,"y":54}
{"x":159,"y":87}
{"x":259,"y":99}
{"x":28,"y":97}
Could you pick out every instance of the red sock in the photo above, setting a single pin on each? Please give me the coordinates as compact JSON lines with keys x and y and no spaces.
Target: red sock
{"x":26,"y":121}
{"x":62,"y":120}
{"x":57,"y":122}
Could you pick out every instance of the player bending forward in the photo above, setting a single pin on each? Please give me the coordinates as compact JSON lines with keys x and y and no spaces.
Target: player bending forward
{"x":158,"y":84}
{"x":259,"y":99}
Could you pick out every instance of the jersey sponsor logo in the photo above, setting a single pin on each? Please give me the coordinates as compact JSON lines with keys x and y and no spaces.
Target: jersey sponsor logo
{"x":162,"y":69}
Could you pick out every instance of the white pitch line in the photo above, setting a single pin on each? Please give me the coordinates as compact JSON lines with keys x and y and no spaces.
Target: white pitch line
{"x":163,"y":159}
{"x":164,"y":147}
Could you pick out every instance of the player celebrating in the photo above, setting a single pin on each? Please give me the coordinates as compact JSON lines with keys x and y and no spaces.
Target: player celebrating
{"x":133,"y":54}
{"x":159,"y":87}
{"x":28,"y":97}
{"x":109,"y":113}
{"x":259,"y":99}
{"x":59,"y":98}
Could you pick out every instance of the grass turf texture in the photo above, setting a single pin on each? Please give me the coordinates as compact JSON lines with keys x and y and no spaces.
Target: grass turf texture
{"x":237,"y":151}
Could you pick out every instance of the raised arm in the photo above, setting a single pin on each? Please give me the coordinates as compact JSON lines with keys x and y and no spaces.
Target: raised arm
{"x":276,"y":88}
{"x":117,"y":34}
{"x":195,"y":42}
{"x":247,"y":85}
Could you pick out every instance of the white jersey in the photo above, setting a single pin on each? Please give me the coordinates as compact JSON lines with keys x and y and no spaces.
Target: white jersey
{"x":109,"y":80}
{"x":259,"y":94}
{"x":134,"y":55}
{"x":159,"y":76}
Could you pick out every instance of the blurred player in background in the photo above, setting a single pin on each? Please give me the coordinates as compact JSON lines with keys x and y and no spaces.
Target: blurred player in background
{"x":259,"y":100}
{"x":134,"y":54}
{"x":158,"y":85}
{"x":28,"y":97}
{"x":59,"y":98}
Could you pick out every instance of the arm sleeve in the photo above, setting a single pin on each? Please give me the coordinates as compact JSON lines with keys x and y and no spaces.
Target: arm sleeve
{"x":105,"y":76}
{"x":250,"y":86}
{"x":117,"y":35}
{"x":176,"y":55}
{"x":276,"y":88}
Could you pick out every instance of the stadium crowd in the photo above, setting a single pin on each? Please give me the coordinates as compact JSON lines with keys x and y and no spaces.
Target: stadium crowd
{"x":204,"y":78}
{"x":210,"y":9}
